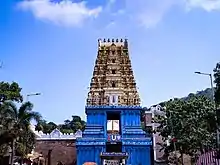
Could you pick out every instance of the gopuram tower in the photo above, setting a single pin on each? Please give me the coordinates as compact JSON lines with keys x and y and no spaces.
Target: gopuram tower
{"x":113,"y":133}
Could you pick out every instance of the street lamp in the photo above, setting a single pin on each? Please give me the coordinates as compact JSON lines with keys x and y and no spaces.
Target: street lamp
{"x":212,"y":88}
{"x":32,"y":94}
{"x":213,"y":97}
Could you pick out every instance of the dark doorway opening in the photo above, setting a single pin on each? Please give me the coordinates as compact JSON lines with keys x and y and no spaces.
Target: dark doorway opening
{"x":113,"y":116}
{"x":117,"y":147}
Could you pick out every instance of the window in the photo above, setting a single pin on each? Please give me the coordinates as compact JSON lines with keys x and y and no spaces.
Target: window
{"x":113,"y":84}
{"x":113,"y":100}
{"x":113,"y":60}
{"x":113,"y":71}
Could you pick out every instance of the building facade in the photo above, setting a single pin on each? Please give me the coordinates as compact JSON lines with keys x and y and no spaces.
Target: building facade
{"x":150,"y":113}
{"x":113,"y":134}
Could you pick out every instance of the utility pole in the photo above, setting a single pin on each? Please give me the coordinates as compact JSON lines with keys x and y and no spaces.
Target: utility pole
{"x":215,"y":107}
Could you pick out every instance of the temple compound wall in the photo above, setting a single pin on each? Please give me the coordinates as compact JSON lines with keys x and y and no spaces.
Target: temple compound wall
{"x":57,"y":147}
{"x":59,"y":150}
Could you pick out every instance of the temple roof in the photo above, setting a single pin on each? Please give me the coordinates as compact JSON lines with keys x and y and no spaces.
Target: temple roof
{"x":113,"y":81}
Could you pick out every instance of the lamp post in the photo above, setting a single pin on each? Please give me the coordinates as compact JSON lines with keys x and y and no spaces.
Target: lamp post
{"x":213,"y":97}
{"x":212,"y":88}
{"x":32,"y":94}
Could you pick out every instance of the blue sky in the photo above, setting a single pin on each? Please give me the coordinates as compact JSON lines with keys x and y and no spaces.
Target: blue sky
{"x":50,"y":47}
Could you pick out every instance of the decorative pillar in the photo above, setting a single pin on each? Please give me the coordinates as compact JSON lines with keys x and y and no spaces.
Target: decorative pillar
{"x":123,"y":161}
{"x":134,"y":118}
{"x":92,"y":118}
{"x":130,"y":118}
{"x":122,"y":121}
{"x":88,"y":116}
{"x":105,"y":124}
{"x":125,"y":118}
{"x":103,"y":162}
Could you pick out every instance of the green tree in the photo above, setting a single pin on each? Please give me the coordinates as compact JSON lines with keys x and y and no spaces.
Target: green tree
{"x":77,"y":123}
{"x":73,"y":125}
{"x":25,"y":143}
{"x":69,"y":126}
{"x":191,"y":122}
{"x":18,"y":130}
{"x":217,"y":82}
{"x":10,"y":92}
{"x":45,"y":127}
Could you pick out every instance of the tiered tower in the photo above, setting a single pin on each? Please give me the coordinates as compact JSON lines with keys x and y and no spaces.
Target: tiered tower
{"x":113,"y":98}
{"x":113,"y":80}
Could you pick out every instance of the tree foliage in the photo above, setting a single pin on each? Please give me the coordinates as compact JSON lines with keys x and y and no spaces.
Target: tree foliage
{"x":14,"y":122}
{"x":18,"y":126}
{"x":25,"y":143}
{"x":69,"y":126}
{"x":191,"y":122}
{"x":72,"y":125}
{"x":45,"y":127}
{"x":217,"y":82}
{"x":10,"y":92}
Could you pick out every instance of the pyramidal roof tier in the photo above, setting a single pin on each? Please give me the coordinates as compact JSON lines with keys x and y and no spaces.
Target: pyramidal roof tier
{"x":113,"y":81}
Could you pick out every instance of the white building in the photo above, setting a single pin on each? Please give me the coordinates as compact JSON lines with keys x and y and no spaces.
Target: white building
{"x":149,"y":122}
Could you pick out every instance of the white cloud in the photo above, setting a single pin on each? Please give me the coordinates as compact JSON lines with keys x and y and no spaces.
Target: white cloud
{"x":208,"y":5}
{"x":145,"y":12}
{"x":65,"y":12}
{"x":150,"y":12}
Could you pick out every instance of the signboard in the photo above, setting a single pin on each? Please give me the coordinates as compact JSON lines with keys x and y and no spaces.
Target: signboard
{"x":111,"y":162}
{"x":114,"y":138}
{"x":123,"y":154}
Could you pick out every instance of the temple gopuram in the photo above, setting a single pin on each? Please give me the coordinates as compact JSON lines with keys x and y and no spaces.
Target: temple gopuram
{"x":113,"y":134}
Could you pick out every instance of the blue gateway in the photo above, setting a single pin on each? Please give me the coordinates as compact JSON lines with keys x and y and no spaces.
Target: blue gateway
{"x":113,"y":133}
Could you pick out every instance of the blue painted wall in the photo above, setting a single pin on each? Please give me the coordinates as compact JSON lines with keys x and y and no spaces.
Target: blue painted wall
{"x":89,"y":154}
{"x":94,"y":138}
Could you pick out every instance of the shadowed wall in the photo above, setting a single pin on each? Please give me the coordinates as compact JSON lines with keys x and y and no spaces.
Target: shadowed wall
{"x":61,"y":150}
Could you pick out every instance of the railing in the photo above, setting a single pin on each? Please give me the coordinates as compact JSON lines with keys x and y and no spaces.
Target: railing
{"x":208,"y":158}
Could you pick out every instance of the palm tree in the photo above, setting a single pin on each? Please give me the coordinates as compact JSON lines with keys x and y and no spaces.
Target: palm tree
{"x":18,"y":122}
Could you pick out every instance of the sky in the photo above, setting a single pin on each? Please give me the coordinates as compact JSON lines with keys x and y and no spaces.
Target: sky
{"x":50,"y":46}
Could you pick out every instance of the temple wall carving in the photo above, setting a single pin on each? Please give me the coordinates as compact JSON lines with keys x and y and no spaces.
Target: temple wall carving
{"x":113,"y":75}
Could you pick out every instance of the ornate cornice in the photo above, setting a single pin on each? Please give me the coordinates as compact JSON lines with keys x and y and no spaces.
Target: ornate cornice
{"x":113,"y":107}
{"x":136,"y":141}
{"x":57,"y":135}
{"x":90,"y":141}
